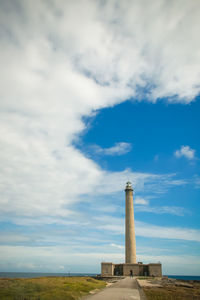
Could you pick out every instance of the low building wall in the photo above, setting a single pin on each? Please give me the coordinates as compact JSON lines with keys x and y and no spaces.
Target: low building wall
{"x":155,"y":270}
{"x":127,"y":268}
{"x":139,"y":269}
{"x":107,"y":269}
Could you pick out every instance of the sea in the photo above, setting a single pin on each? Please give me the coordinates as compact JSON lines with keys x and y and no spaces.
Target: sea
{"x":34,"y":275}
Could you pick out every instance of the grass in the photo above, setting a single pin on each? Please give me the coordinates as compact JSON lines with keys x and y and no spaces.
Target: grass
{"x":47,"y":288}
{"x":172,"y":293}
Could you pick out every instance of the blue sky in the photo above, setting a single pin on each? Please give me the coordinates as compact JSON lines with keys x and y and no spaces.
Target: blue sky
{"x":95,"y":94}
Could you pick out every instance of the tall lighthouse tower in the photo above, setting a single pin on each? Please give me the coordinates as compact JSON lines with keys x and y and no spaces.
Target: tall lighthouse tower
{"x":130,"y":255}
{"x":130,"y":267}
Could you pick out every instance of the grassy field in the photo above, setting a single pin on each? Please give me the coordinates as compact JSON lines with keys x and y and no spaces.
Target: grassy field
{"x":47,"y":288}
{"x":173,"y":293}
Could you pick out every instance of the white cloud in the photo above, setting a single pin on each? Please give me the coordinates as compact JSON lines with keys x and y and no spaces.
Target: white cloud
{"x":6,"y":238}
{"x":148,"y":230}
{"x":187,"y":264}
{"x":142,"y":205}
{"x":153,"y":231}
{"x":23,"y":258}
{"x":117,"y":246}
{"x":117,"y":149}
{"x":65,"y":60}
{"x":113,"y":182}
{"x":173,"y":210}
{"x":141,"y":201}
{"x":185,"y":151}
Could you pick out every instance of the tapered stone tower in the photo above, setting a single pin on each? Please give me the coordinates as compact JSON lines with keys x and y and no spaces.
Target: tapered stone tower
{"x":130,"y":256}
{"x":130,"y":266}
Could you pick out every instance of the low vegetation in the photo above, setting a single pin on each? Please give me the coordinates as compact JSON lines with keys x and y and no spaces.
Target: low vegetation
{"x":47,"y":288}
{"x":173,"y":293}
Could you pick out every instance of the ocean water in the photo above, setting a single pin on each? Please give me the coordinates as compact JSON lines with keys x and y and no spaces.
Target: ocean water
{"x":184,"y":277}
{"x":34,"y":275}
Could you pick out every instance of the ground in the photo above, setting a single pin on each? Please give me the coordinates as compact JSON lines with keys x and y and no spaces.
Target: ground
{"x":170,"y":289}
{"x":124,"y":289}
{"x":48,"y":288}
{"x":73,"y":288}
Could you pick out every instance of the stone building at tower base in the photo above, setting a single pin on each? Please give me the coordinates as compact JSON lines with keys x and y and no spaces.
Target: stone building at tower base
{"x":138,"y":269}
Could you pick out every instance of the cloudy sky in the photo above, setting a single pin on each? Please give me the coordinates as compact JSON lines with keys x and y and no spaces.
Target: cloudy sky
{"x":95,"y":93}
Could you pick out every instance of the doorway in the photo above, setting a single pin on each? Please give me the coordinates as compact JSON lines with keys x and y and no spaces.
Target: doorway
{"x":118,"y":270}
{"x":145,"y":271}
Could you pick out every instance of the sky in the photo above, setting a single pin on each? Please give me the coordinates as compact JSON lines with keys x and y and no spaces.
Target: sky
{"x":94,"y":94}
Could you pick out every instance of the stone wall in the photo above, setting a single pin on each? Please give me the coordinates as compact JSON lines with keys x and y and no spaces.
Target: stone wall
{"x":128,"y":267}
{"x":155,"y":270}
{"x":110,"y":269}
{"x":107,"y":269}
